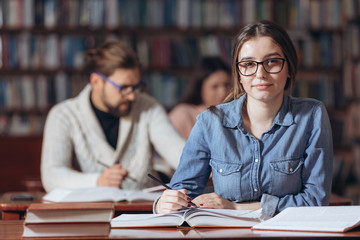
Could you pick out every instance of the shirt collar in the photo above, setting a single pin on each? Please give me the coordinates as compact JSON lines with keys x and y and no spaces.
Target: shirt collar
{"x":233,"y":118}
{"x":285,"y":116}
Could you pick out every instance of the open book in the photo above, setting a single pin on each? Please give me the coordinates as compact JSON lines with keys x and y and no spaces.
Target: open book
{"x":315,"y":219}
{"x":194,"y":217}
{"x":98,"y":194}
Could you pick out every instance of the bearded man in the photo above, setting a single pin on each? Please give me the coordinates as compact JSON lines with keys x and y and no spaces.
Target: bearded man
{"x":106,"y":135}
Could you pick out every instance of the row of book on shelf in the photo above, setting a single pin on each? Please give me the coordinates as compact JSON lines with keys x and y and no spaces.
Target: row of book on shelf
{"x":356,"y":149}
{"x":81,"y":212}
{"x":322,"y":49}
{"x":351,"y":78}
{"x":21,"y":125}
{"x":353,"y":123}
{"x":40,"y":92}
{"x":351,"y":40}
{"x":178,"y":13}
{"x":52,"y":51}
{"x":30,"y":92}
{"x":345,"y":124}
{"x":327,"y":88}
{"x":33,"y":123}
{"x":25,"y":100}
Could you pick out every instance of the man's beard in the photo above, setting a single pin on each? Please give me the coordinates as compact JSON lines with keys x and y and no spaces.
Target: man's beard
{"x":116,"y":111}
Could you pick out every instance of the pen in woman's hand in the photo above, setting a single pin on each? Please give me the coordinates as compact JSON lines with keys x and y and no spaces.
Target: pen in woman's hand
{"x":166,"y":186}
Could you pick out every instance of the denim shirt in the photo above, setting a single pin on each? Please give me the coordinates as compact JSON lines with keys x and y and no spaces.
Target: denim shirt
{"x":291,"y":164}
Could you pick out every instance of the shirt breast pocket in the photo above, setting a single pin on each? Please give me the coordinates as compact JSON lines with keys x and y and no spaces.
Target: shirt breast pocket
{"x":226,"y":179}
{"x":286,"y":176}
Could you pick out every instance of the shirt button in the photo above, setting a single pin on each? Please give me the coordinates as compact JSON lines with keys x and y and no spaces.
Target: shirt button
{"x":291,"y":169}
{"x":221,"y":170}
{"x":255,"y":190}
{"x":266,"y":134}
{"x":242,"y":129}
{"x":256,"y":160}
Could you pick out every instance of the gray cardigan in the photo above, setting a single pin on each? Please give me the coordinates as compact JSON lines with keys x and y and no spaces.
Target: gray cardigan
{"x":74,"y":143}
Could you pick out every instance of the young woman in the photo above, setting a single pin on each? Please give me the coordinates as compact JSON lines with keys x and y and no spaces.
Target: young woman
{"x":264,"y":148}
{"x":209,"y":87}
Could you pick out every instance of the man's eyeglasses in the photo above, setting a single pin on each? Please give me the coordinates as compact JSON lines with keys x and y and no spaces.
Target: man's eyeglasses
{"x":125,"y":89}
{"x":271,"y":65}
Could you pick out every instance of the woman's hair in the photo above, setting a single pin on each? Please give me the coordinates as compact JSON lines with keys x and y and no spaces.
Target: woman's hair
{"x":205,"y":67}
{"x":109,"y":57}
{"x":263,"y":28}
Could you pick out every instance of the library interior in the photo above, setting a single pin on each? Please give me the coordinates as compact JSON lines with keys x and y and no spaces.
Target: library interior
{"x":42,"y":46}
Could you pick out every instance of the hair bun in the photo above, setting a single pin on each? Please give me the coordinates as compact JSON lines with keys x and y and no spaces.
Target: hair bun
{"x":91,"y":53}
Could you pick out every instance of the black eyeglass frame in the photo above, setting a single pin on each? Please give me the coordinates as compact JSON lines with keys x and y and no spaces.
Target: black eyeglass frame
{"x":262,"y":63}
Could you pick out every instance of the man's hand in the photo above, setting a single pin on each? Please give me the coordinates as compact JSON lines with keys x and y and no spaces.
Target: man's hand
{"x":112,"y":177}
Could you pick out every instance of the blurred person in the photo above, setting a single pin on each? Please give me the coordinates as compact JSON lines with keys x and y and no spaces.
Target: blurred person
{"x":105,"y":136}
{"x":208,"y":87}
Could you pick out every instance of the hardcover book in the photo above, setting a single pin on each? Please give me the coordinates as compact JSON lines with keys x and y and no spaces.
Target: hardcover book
{"x":69,"y":213}
{"x":68,"y":219}
{"x":67,"y":230}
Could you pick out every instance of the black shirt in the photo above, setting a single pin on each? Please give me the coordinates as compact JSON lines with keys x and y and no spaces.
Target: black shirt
{"x":109,"y":124}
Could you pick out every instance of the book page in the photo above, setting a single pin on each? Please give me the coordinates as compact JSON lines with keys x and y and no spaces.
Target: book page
{"x":327,"y":219}
{"x":57,"y":195}
{"x":148,"y":220}
{"x":98,"y":194}
{"x":95,"y":194}
{"x":132,"y":195}
{"x":222,"y":217}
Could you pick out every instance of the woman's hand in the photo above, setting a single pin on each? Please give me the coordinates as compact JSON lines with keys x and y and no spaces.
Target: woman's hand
{"x":172,"y":201}
{"x":212,"y":200}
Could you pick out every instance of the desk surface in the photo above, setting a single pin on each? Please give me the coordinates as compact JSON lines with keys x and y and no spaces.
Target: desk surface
{"x":14,"y":230}
{"x":15,"y":210}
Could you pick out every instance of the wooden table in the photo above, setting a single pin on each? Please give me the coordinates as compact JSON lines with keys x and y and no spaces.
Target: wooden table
{"x":14,"y":230}
{"x":15,"y":210}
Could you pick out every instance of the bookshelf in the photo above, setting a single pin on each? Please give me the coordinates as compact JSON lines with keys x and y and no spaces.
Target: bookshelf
{"x":42,"y":44}
{"x":351,"y":77}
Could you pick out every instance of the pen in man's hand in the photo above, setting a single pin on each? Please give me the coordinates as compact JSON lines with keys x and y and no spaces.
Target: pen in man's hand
{"x":165,"y":185}
{"x":105,"y":165}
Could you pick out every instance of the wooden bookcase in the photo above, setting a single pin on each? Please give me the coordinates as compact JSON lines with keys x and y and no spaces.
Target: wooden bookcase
{"x":41,"y":50}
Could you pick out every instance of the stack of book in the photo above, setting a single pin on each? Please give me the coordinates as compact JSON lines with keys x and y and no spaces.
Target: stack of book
{"x":68,"y":219}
